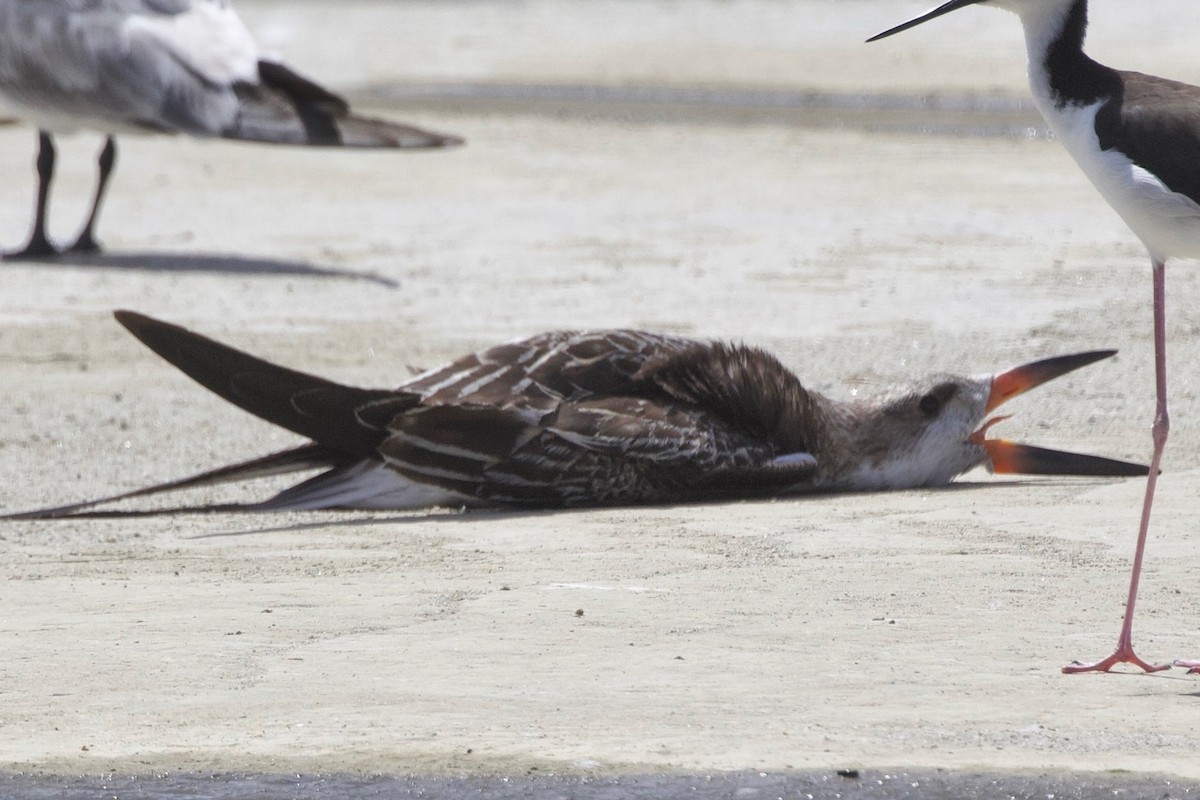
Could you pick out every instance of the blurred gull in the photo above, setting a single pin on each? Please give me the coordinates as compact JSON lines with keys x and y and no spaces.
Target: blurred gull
{"x":161,"y":66}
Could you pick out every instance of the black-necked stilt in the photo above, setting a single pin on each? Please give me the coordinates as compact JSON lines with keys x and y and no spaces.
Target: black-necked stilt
{"x":148,"y":66}
{"x":601,"y":418}
{"x":1137,"y":137}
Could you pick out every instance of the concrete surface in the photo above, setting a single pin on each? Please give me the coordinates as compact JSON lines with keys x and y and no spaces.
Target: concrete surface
{"x":919,"y":629}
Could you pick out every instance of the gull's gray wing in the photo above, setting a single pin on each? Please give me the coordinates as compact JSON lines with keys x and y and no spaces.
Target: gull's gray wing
{"x":178,"y":66}
{"x":154,"y":64}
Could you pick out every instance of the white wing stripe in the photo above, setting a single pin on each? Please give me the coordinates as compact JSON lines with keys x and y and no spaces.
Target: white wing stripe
{"x":430,"y":446}
{"x":479,"y":383}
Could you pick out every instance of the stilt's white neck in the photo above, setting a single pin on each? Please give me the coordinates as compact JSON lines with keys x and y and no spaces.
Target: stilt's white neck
{"x":1054,"y":32}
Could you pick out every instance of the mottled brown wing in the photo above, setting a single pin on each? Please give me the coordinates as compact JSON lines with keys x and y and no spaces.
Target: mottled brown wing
{"x":560,"y":365}
{"x":593,"y":452}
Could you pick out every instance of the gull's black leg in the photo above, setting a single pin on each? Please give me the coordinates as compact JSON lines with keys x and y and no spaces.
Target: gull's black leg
{"x":86,"y":243}
{"x":39,"y":245}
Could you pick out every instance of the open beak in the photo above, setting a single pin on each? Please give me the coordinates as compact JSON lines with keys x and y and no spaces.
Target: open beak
{"x":945,"y":8}
{"x":1023,"y":459}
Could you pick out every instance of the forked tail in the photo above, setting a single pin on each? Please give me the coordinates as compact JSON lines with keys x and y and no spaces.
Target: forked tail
{"x":309,"y":456}
{"x":346,"y":424}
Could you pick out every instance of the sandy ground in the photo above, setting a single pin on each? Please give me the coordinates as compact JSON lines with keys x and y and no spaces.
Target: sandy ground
{"x":918,"y":629}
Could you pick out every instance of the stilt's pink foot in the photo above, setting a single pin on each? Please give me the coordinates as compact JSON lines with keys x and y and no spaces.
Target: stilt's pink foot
{"x":1193,"y":667}
{"x":1122,"y":655}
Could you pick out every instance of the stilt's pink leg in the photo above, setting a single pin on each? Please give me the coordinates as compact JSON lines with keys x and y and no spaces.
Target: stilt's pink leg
{"x":1162,"y":426}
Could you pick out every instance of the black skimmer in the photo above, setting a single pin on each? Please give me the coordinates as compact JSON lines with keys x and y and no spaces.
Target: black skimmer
{"x":1137,"y":137}
{"x":602,"y":418}
{"x":161,"y":66}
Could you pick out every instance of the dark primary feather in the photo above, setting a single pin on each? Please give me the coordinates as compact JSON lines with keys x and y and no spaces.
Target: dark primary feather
{"x":322,"y":410}
{"x":297,"y":459}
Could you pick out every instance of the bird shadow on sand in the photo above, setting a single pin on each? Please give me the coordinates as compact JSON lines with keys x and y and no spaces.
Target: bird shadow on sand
{"x":211,"y":264}
{"x":483,"y":515}
{"x":329,"y":518}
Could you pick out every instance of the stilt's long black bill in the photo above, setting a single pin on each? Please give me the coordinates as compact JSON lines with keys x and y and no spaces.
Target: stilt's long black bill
{"x":1026,"y":459}
{"x":1012,"y":382}
{"x":945,"y":8}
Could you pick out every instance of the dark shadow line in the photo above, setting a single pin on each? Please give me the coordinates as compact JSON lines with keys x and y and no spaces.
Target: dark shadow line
{"x":212,"y":263}
{"x":938,"y":114}
{"x":300,"y":527}
{"x":425,"y":516}
{"x":1165,"y":674}
{"x":703,"y":97}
